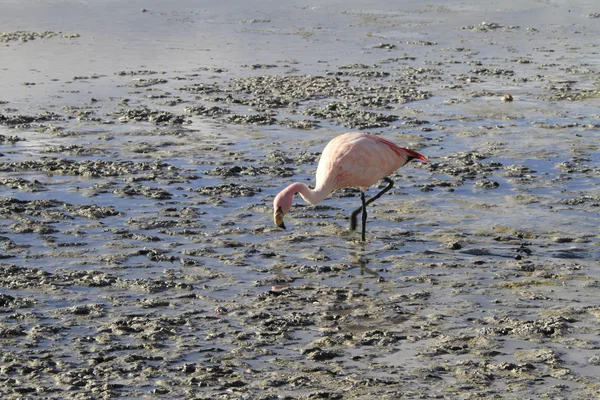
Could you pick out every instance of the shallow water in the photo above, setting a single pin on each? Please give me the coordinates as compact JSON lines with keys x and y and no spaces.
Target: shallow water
{"x":122,"y":234}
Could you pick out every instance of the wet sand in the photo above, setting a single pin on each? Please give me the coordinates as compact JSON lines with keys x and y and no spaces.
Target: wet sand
{"x":141,"y":147}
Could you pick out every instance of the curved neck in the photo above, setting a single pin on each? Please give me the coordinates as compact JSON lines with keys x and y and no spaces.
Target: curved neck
{"x":309,"y":195}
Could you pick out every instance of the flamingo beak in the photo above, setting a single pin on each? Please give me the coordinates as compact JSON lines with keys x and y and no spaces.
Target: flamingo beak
{"x":278,"y":218}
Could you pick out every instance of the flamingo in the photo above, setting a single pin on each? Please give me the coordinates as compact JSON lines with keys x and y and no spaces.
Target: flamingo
{"x":352,"y":159}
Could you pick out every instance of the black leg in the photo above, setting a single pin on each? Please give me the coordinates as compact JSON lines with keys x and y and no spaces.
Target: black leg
{"x":364,"y":215}
{"x":385,"y":189}
{"x":353,"y":218}
{"x":372,"y":199}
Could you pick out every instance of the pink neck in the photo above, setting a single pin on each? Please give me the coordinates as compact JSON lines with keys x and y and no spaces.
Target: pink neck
{"x":309,"y":195}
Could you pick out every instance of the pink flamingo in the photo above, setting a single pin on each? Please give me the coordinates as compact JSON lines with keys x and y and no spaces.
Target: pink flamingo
{"x":351,"y":159}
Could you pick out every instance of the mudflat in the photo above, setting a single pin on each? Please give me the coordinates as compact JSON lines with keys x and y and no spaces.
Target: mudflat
{"x":141,"y":147}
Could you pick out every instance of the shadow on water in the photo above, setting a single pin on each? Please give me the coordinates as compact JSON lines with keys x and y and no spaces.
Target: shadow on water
{"x":363,"y":263}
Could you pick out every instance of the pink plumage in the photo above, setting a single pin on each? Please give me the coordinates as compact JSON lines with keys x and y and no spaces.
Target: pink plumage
{"x":352,"y":159}
{"x":359,"y":159}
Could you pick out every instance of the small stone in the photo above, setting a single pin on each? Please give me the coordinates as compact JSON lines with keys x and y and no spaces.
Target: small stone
{"x":453,"y":246}
{"x":189,"y":368}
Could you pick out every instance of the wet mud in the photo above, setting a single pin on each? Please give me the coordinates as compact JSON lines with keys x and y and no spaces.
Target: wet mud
{"x":138,"y":256}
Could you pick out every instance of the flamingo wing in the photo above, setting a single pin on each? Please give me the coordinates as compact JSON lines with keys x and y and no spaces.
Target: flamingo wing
{"x":360,"y":160}
{"x":403,"y":152}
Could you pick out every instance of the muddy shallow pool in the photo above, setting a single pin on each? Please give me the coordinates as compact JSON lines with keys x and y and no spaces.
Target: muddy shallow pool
{"x":141,"y":147}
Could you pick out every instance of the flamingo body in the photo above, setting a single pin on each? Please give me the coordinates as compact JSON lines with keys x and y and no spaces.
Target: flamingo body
{"x":359,"y":160}
{"x":350,"y":160}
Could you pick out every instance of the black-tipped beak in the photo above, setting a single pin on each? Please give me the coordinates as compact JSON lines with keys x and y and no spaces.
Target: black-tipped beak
{"x":278,"y":218}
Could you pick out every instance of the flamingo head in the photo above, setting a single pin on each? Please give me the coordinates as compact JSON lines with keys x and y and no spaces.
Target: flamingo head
{"x":281,"y":206}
